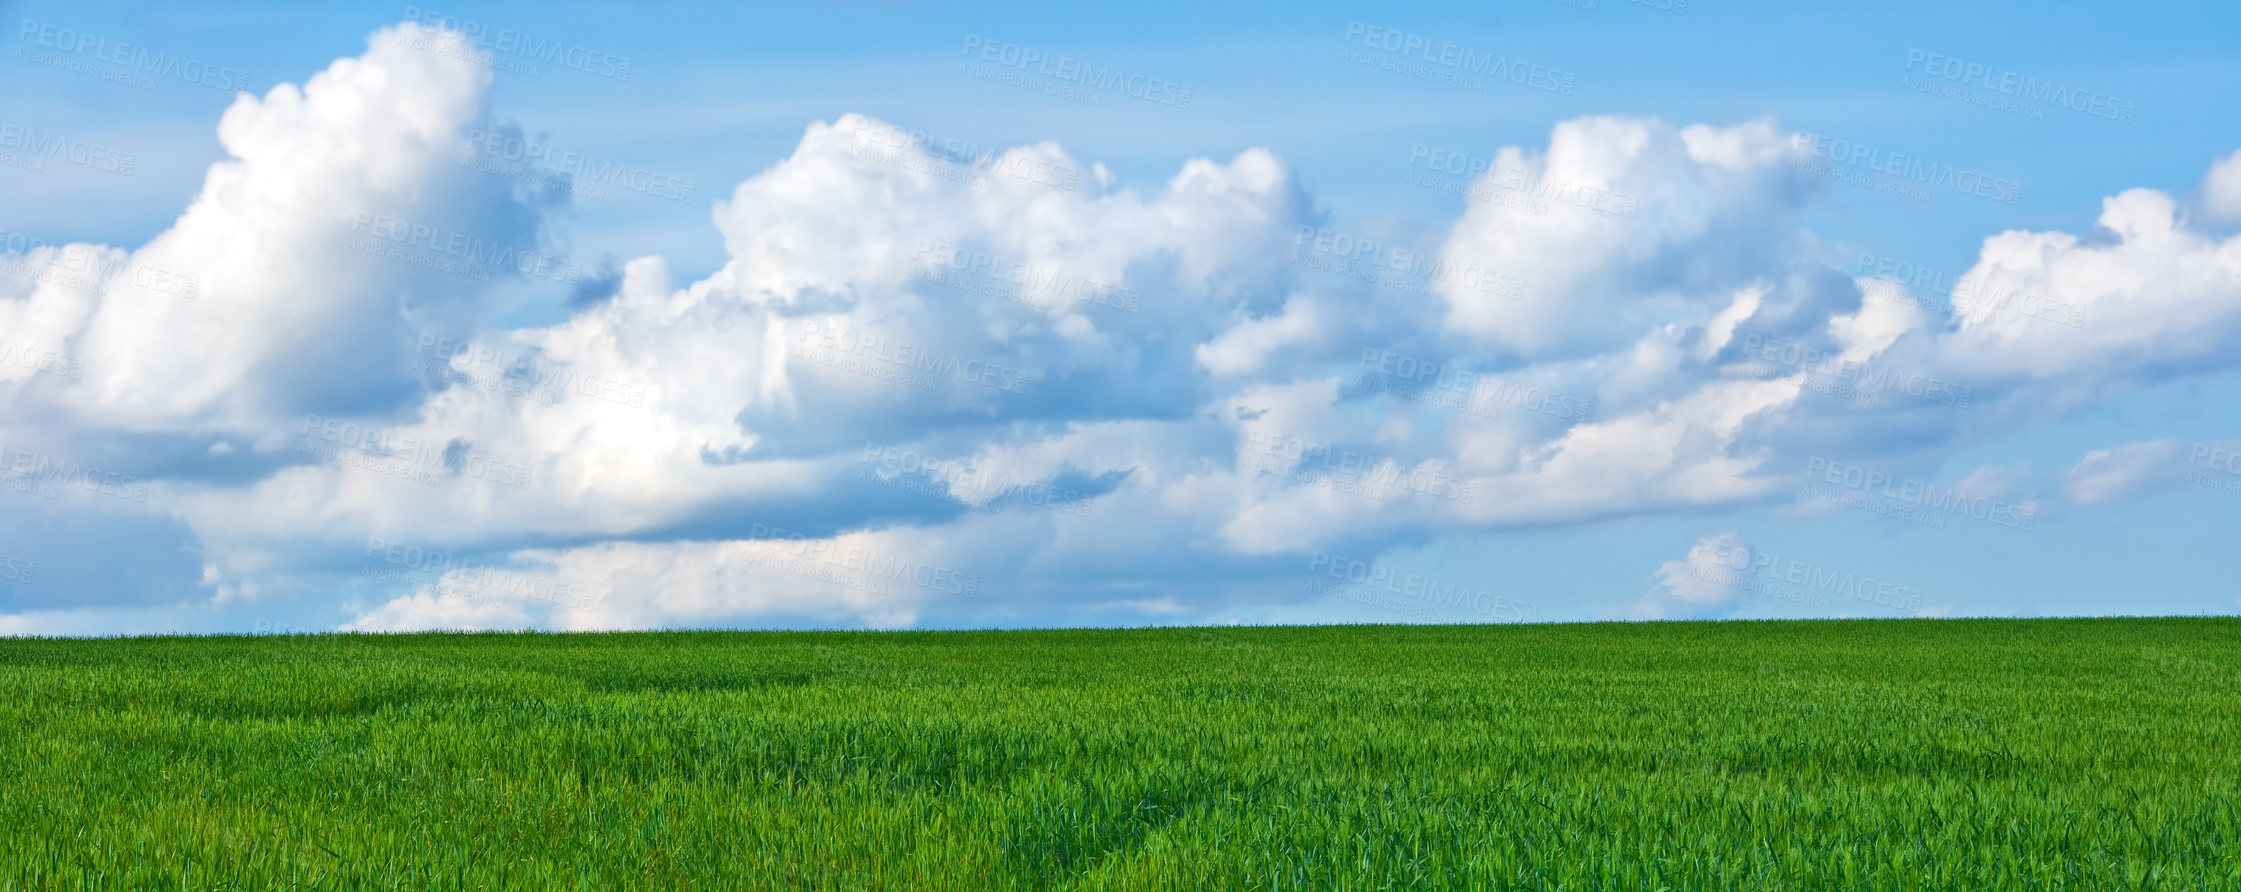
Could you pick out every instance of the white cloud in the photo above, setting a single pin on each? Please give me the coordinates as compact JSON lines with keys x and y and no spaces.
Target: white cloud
{"x":2146,"y":296}
{"x":872,"y":579}
{"x":1648,"y":223}
{"x":1110,"y":396}
{"x":1699,"y":584}
{"x":2221,"y":189}
{"x":1245,"y":348}
{"x":265,"y":298}
{"x":429,"y":611}
{"x":96,"y":621}
{"x":2127,"y":471}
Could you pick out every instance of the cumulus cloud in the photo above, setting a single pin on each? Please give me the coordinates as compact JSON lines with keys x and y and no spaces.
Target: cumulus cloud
{"x":860,"y":578}
{"x":1091,"y":399}
{"x":1698,"y":585}
{"x":341,"y":226}
{"x":2145,"y":296}
{"x":2221,"y":189}
{"x":1675,"y":220}
{"x":2124,"y":472}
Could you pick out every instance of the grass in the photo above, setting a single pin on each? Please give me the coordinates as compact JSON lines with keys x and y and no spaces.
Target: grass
{"x":1915,"y":754}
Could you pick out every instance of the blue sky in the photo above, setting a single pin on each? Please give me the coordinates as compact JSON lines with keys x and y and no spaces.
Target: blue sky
{"x":673,"y":425}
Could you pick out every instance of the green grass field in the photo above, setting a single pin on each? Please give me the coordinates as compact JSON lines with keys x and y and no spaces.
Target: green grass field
{"x":1915,"y":754}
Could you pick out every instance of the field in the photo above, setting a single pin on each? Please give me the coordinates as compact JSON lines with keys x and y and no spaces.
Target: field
{"x":1913,"y":754}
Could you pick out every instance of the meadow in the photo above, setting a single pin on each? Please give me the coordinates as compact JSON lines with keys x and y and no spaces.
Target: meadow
{"x":1900,"y":754}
